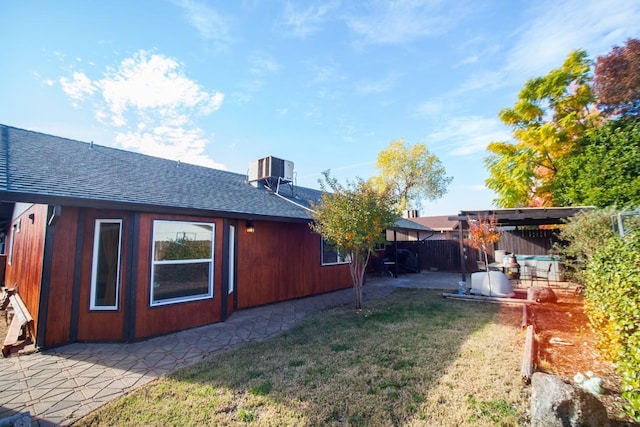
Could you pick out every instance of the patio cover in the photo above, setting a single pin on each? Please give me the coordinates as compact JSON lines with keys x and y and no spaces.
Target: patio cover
{"x":515,"y":217}
{"x":523,"y":216}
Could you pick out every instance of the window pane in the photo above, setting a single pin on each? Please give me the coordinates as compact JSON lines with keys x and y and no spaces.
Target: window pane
{"x":106,"y":265}
{"x":329,"y":255}
{"x":174,"y":281}
{"x":182,"y":241}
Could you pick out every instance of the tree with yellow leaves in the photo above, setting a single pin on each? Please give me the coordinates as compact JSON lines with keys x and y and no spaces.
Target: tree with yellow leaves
{"x":411,"y":173}
{"x":548,"y":119}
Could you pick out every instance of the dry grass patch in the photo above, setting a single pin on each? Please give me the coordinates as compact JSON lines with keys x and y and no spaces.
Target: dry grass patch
{"x":412,"y":358}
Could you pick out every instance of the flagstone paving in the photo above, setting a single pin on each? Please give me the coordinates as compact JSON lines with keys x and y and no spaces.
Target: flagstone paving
{"x":60,"y":385}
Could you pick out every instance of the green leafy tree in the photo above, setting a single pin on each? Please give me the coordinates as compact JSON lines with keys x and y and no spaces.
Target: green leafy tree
{"x":550,"y":115}
{"x":606,"y":169}
{"x":411,"y":173}
{"x":617,"y":80}
{"x":352,"y":218}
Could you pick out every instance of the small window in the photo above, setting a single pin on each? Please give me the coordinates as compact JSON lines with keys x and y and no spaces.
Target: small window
{"x":380,"y":246}
{"x":331,"y":255}
{"x":105,"y":271}
{"x":12,"y":243}
{"x":182,"y":265}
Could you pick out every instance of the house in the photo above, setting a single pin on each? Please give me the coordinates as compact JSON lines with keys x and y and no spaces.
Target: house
{"x":442,"y":227}
{"x":103,"y":244}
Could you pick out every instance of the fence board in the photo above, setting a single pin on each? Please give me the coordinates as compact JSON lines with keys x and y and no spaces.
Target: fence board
{"x":444,"y":255}
{"x":528,"y":242}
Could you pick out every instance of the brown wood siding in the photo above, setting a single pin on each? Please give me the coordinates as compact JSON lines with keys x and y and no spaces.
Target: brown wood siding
{"x":151,"y":321}
{"x":27,"y":247}
{"x":101,"y":325}
{"x":281,"y":261}
{"x":61,"y":278}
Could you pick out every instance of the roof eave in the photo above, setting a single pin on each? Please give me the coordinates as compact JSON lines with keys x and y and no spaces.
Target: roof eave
{"x":140,"y":207}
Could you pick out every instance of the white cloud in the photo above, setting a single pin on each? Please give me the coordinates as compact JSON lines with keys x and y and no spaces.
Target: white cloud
{"x":434,"y":108}
{"x":79,"y":87}
{"x":325,"y":74}
{"x":186,"y":145}
{"x":549,"y":31}
{"x":481,"y":80}
{"x":302,"y":22}
{"x":151,"y":104}
{"x":557,"y":28}
{"x":210,"y":24}
{"x":376,"y":86}
{"x":401,"y":21}
{"x":155,"y":83}
{"x":471,"y":59}
{"x":260,"y":63}
{"x":469,"y":135}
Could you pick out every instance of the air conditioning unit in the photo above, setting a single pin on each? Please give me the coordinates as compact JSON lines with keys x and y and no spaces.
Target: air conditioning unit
{"x":271,"y":168}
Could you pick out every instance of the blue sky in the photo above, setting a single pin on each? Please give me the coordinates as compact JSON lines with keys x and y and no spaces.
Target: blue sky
{"x":324,"y":84}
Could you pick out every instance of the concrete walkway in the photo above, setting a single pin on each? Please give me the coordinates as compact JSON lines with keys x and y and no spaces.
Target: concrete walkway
{"x":61,"y":385}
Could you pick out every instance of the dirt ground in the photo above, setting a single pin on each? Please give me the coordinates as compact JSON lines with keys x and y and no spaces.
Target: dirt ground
{"x":567,"y":346}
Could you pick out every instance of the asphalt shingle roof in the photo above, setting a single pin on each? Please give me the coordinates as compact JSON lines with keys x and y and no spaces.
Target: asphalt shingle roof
{"x":51,"y":167}
{"x":438,"y":223}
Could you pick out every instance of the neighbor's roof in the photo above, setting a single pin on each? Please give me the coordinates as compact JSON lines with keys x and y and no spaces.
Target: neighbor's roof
{"x":437,"y":223}
{"x":405,"y":224}
{"x":41,"y":168}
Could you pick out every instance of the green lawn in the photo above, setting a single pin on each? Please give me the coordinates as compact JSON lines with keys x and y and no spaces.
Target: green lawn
{"x":413,"y":358}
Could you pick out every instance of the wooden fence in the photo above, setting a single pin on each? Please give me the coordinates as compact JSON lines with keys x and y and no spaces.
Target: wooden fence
{"x":444,"y":255}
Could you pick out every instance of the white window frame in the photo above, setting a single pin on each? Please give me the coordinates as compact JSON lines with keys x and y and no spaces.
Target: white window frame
{"x":210,"y":261}
{"x":341,"y":258}
{"x":15,"y":229}
{"x":232,"y":259}
{"x":94,"y":265}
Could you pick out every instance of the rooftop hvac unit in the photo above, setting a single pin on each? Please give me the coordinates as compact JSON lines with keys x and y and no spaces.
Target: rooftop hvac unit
{"x":271,"y":168}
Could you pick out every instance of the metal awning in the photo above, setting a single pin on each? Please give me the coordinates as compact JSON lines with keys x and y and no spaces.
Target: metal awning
{"x":523,"y":216}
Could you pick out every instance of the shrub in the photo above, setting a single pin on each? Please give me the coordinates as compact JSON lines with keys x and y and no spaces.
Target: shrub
{"x":582,"y":236}
{"x":613,"y":306}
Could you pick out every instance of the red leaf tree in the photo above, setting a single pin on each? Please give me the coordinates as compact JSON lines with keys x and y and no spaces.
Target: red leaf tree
{"x":483,"y":232}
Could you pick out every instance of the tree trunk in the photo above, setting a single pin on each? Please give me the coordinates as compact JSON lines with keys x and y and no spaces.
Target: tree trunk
{"x":486,"y":263}
{"x":358,"y":296}
{"x":357,"y":268}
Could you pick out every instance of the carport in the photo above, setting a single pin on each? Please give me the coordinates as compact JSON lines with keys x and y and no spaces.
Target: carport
{"x":405,"y":230}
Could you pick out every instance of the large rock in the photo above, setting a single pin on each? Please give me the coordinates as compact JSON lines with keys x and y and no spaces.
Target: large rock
{"x":540,"y":294}
{"x":556,"y":402}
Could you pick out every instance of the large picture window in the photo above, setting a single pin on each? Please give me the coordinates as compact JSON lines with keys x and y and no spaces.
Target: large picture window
{"x":182,"y":265}
{"x":105,"y":269}
{"x":331,"y":255}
